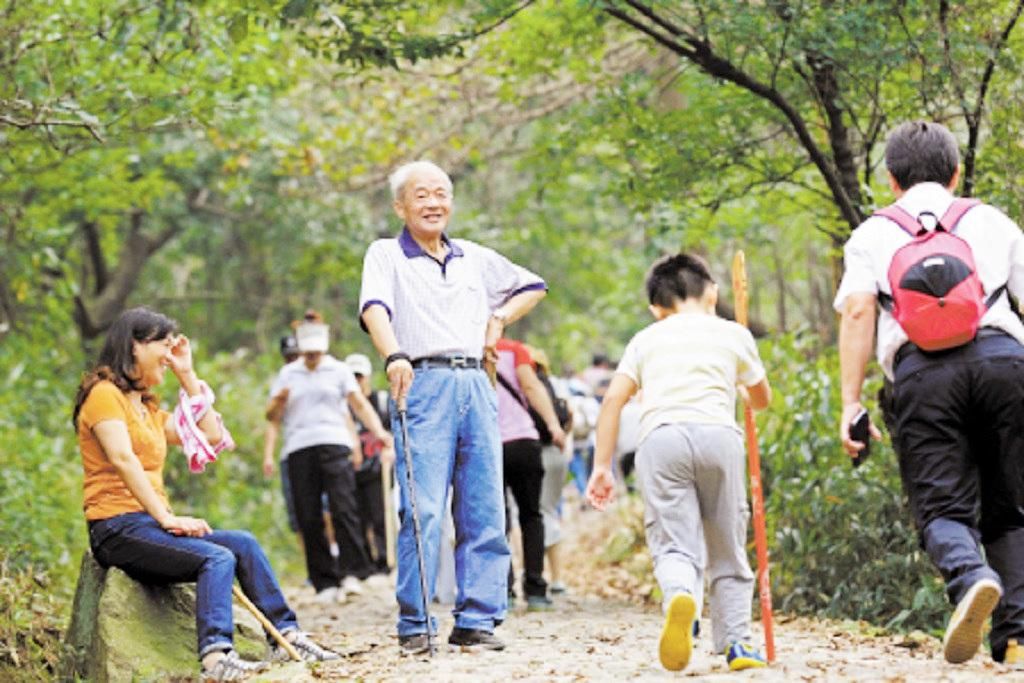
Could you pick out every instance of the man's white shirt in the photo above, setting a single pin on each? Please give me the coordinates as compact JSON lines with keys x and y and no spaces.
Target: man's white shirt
{"x":995,"y":240}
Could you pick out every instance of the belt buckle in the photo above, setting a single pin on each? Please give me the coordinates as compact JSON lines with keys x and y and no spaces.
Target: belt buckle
{"x":458,"y":361}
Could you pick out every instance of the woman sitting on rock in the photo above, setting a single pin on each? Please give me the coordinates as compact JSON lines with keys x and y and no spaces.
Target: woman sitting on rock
{"x":123,"y":436}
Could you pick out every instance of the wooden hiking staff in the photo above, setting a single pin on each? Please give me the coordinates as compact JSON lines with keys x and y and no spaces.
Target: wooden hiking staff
{"x":389,"y":513}
{"x":764,"y":584}
{"x":265,"y":623}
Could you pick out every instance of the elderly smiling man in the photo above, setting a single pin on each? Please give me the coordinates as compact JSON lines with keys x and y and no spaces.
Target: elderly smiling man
{"x":435,"y":308}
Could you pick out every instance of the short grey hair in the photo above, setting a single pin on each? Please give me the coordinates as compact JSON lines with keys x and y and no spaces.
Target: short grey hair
{"x":400,"y":177}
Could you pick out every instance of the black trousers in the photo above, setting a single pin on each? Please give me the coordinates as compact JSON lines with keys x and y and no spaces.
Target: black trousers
{"x":326,"y":469}
{"x":958,"y":427}
{"x":524,"y":474}
{"x":370,"y":499}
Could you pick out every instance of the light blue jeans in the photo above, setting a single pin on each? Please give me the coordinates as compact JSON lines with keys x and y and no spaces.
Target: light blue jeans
{"x":453,"y":434}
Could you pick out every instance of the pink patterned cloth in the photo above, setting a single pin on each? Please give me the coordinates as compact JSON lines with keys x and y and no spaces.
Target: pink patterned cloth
{"x":187,"y":414}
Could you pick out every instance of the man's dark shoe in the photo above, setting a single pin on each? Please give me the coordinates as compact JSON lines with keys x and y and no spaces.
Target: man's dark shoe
{"x":539,"y":603}
{"x":416,"y":644}
{"x":475,"y":638}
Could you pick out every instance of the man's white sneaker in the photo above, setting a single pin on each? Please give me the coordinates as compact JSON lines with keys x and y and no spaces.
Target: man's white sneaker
{"x":352,"y":586}
{"x":966,"y":627}
{"x":377,"y":581}
{"x":327,"y":596}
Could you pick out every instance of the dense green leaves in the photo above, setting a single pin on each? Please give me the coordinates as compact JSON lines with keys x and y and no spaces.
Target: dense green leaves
{"x":842,"y":540}
{"x":226,"y":163}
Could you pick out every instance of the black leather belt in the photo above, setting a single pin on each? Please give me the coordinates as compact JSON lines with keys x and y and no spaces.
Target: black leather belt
{"x":910,"y":347}
{"x":453,"y":362}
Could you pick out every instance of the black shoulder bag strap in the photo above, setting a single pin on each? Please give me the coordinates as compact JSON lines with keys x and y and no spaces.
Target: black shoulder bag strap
{"x":515,"y":394}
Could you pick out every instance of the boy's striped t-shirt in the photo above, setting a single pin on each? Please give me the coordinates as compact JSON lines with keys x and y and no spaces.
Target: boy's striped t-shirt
{"x":688,"y":366}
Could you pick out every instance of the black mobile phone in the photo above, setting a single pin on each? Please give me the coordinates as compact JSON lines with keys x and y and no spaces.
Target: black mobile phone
{"x":860,"y":431}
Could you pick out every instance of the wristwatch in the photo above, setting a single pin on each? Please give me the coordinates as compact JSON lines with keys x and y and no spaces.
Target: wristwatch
{"x":500,"y":315}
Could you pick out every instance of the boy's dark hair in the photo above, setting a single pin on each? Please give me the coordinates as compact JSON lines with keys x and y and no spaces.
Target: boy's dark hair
{"x":677,"y":277}
{"x":921,"y":152}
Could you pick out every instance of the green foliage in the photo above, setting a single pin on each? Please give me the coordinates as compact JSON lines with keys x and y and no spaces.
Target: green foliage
{"x":30,"y":623}
{"x":253,"y":138}
{"x":842,"y":539}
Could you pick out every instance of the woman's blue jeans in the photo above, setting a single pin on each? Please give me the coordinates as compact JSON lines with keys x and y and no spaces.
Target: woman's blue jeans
{"x":453,"y":434}
{"x":137,"y":544}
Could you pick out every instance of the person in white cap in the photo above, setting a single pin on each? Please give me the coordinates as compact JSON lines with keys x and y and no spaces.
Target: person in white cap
{"x":376,"y":459}
{"x":309,"y":397}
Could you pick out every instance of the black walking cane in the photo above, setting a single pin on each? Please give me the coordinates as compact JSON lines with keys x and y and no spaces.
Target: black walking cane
{"x":417,"y":534}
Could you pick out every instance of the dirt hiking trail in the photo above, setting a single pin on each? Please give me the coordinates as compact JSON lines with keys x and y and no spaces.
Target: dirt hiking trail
{"x":592,"y":638}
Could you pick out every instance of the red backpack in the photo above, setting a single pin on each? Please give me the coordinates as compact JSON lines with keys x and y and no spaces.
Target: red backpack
{"x":937,"y":296}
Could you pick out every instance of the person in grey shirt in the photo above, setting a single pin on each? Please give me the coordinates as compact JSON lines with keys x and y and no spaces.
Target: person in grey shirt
{"x":311,"y":397}
{"x":435,"y":308}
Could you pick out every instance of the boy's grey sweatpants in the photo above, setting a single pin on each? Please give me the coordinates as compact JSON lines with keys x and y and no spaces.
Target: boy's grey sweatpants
{"x":693,"y":479}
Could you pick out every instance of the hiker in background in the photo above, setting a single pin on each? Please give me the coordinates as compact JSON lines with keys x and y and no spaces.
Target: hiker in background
{"x":599,"y":370}
{"x":519,"y":390}
{"x":555,"y":460}
{"x":289,"y":354}
{"x":629,"y":437}
{"x":691,"y":463}
{"x":433,"y":306}
{"x":273,"y":414}
{"x":955,"y":405}
{"x":585,"y":409}
{"x":377,"y":461}
{"x":318,"y":392}
{"x":123,"y":437}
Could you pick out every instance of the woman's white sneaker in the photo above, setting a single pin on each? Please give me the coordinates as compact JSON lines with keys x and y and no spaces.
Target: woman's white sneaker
{"x":352,"y":586}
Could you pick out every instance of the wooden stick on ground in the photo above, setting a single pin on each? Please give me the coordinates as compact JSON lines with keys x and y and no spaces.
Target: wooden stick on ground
{"x":265,"y":623}
{"x":764,"y":584}
{"x":389,"y":513}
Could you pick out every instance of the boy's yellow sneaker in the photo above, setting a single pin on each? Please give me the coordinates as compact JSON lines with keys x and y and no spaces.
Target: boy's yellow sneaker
{"x":676,"y":644}
{"x":740,"y":656}
{"x":1014,"y":654}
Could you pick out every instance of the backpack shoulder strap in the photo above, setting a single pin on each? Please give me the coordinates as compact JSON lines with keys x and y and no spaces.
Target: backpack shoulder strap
{"x":910,"y":225}
{"x":520,"y":399}
{"x":949,"y":221}
{"x":900,"y":217}
{"x":956,"y":211}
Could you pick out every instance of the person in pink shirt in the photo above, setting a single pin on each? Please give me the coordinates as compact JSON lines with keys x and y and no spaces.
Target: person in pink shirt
{"x":519,"y":389}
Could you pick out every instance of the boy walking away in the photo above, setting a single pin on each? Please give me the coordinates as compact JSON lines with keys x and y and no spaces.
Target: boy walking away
{"x":952,"y":347}
{"x":690,"y":463}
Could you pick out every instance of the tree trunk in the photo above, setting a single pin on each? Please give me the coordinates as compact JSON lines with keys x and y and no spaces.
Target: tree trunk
{"x":104,"y":291}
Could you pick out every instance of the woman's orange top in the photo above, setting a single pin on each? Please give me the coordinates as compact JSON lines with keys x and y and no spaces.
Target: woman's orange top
{"x":106,"y":494}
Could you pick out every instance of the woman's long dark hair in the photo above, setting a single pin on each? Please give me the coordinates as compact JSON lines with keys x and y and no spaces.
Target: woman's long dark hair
{"x":117,"y":359}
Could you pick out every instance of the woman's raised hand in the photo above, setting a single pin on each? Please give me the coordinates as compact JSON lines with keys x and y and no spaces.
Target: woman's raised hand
{"x":180,"y":357}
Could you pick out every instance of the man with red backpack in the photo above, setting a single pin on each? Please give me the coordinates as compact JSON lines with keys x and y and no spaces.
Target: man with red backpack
{"x":952,"y":347}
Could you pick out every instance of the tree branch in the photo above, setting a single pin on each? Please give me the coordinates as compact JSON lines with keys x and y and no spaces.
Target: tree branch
{"x":97,"y":262}
{"x":36,"y":123}
{"x":947,"y":53}
{"x":94,"y":314}
{"x":974,"y":120}
{"x":826,"y":86}
{"x":701,"y":53}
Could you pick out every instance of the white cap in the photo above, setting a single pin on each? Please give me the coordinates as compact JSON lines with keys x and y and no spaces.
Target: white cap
{"x":312,"y":337}
{"x":359,"y":364}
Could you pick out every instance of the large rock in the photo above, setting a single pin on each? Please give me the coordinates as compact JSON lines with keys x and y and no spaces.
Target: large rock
{"x":122,"y":630}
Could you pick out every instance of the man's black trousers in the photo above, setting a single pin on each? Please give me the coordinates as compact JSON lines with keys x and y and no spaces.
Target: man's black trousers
{"x":958,"y":427}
